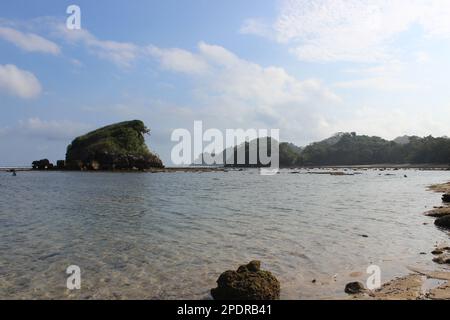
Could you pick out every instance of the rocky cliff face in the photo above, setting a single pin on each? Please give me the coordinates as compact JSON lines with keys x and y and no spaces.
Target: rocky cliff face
{"x":119,"y":146}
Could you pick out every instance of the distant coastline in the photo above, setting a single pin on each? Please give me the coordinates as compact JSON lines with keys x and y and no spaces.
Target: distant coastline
{"x":222,"y":169}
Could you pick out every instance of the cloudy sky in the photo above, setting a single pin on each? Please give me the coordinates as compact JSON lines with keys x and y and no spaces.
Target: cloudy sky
{"x":308,"y":67}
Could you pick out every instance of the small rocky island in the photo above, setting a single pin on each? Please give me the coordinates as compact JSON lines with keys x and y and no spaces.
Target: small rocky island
{"x":119,"y":146}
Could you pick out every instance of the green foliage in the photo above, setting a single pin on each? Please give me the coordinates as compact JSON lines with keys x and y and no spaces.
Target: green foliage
{"x":247,"y":148}
{"x":351,"y":149}
{"x":289,"y":154}
{"x":119,"y":139}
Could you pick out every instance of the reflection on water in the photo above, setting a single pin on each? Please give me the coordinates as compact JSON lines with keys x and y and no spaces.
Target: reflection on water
{"x":170,"y":235}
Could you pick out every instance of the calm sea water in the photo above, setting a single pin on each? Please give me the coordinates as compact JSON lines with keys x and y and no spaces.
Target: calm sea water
{"x":170,"y":235}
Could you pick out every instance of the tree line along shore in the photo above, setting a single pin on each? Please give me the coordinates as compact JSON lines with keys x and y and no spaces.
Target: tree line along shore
{"x":121,"y":147}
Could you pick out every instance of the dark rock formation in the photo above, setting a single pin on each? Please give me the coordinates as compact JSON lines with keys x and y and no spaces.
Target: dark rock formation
{"x":43,"y":164}
{"x":442,"y":259}
{"x":119,"y":146}
{"x":354,"y":288}
{"x":247,"y":283}
{"x":443,"y":222}
{"x":446,"y":197}
{"x":439,"y":212}
{"x":437,"y":252}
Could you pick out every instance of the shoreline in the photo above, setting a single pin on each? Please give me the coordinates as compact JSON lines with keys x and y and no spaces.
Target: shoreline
{"x":152,"y":170}
{"x":382,"y":167}
{"x":419,"y":284}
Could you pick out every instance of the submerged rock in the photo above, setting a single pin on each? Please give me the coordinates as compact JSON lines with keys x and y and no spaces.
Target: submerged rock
{"x":446,"y":197}
{"x":442,"y":259}
{"x":249,"y":282}
{"x":354,"y":288}
{"x":439,"y":212}
{"x":443,"y":222}
{"x":118,"y":146}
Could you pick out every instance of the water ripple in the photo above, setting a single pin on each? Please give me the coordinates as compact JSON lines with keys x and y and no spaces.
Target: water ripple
{"x":169,"y":236}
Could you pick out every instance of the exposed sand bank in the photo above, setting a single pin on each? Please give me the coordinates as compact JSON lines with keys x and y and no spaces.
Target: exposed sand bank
{"x":442,"y":187}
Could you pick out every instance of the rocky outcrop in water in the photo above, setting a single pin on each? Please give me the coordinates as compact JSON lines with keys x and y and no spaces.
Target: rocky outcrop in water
{"x":249,"y":282}
{"x":442,"y":259}
{"x":120,"y":146}
{"x":443,"y":222}
{"x":439,"y":212}
{"x":43,"y":164}
{"x":446,"y":197}
{"x":354,"y":288}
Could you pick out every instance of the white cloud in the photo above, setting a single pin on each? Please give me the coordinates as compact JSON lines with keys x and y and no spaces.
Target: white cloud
{"x":394,"y":76}
{"x":76,"y":62}
{"x":179,"y":60}
{"x":51,"y":130}
{"x":231,"y":92}
{"x":29,"y":41}
{"x":256,"y":27}
{"x":377,"y":83}
{"x":422,"y":57}
{"x":122,"y":54}
{"x":393,"y":122}
{"x":4,"y":131}
{"x":247,"y":81}
{"x":235,"y":92}
{"x":383,"y":77}
{"x":352,"y":30}
{"x":18,"y":82}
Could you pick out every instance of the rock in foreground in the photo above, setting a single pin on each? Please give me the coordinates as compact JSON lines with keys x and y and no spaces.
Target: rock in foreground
{"x":249,"y":282}
{"x":443,"y":222}
{"x":354,"y":288}
{"x":442,"y":259}
{"x":119,"y":146}
{"x":446,"y":197}
{"x":439,"y":212}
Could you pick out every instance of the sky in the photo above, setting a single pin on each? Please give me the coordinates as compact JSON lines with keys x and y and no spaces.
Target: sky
{"x":310,"y":68}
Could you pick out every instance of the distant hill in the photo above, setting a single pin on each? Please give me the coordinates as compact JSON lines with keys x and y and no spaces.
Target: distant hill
{"x":352,"y":149}
{"x":229,"y":156}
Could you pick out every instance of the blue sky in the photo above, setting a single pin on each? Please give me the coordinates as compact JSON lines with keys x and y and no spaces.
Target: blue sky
{"x":308,"y":67}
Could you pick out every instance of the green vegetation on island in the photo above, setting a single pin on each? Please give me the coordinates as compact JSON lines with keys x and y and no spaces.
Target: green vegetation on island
{"x":347,"y":149}
{"x":352,"y":149}
{"x":119,"y":146}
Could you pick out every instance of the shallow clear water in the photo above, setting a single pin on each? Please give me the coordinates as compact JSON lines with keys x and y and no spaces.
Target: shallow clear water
{"x":170,"y":235}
